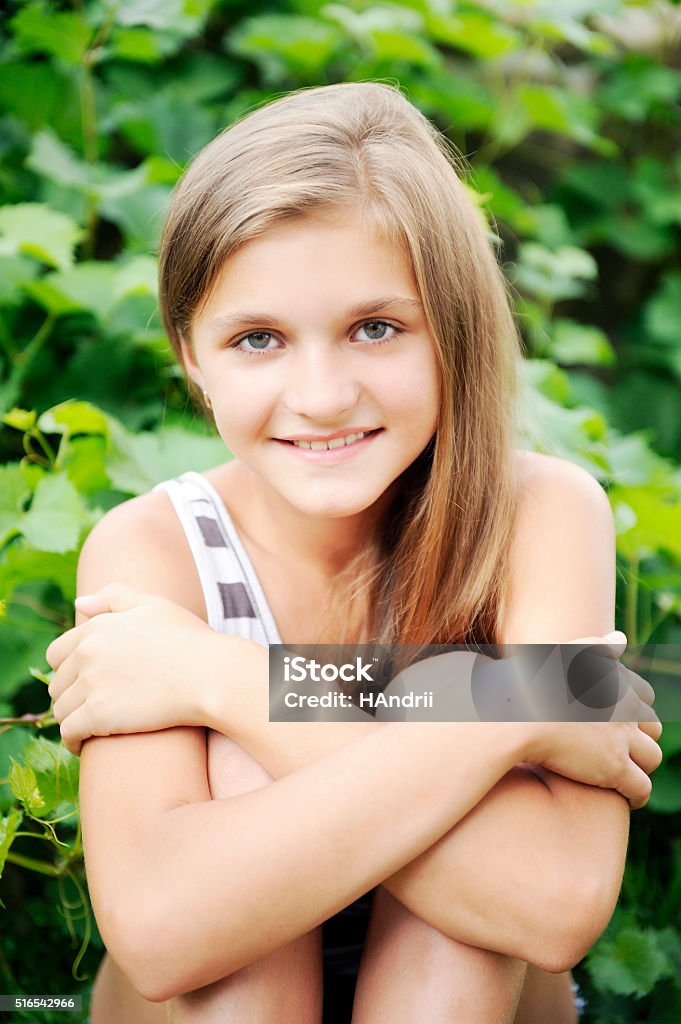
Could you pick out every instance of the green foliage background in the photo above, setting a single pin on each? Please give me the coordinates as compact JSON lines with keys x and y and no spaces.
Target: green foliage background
{"x":568,"y":112}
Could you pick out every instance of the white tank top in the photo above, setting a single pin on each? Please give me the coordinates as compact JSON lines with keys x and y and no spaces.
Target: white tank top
{"x":234,"y":597}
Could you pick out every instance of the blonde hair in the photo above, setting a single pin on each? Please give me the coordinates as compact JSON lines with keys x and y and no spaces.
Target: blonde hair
{"x":437,"y":571}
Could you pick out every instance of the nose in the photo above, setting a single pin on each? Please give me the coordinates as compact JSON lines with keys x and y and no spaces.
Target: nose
{"x":322,"y":383}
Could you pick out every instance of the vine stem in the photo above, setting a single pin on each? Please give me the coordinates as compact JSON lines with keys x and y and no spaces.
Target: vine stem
{"x":41,"y":866}
{"x":26,"y":356}
{"x":41,"y":720}
{"x":88,"y":114}
{"x":631,"y":606}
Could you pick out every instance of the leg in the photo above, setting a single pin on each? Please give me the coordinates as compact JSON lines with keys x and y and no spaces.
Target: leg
{"x":411,"y":972}
{"x":283,"y":987}
{"x":546,"y":997}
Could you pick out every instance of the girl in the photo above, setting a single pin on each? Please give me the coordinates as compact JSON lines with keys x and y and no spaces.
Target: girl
{"x":331,"y":294}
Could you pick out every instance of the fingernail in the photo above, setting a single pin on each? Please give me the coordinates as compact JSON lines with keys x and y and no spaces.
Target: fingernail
{"x":83,"y":597}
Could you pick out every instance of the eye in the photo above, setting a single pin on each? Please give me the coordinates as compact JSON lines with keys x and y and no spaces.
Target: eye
{"x":257,"y":339}
{"x":258,"y":342}
{"x":372,"y":326}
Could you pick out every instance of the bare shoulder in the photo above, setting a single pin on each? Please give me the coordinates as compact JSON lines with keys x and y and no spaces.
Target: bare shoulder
{"x":141,"y":543}
{"x":561,"y":554}
{"x":542,"y":475}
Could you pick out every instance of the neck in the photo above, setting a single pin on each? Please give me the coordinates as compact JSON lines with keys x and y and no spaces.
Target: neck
{"x":321,"y":546}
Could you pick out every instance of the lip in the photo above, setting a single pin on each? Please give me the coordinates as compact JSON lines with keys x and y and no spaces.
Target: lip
{"x":331,"y":455}
{"x":327,"y":437}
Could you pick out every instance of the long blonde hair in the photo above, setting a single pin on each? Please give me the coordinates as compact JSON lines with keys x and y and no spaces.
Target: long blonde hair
{"x":437,"y":571}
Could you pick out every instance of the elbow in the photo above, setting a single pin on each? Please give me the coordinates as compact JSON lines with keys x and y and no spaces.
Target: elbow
{"x":148,"y":950}
{"x":138,"y":947}
{"x":161,"y":958}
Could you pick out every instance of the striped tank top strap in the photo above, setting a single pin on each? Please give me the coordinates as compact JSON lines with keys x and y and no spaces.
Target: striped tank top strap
{"x":234,"y":597}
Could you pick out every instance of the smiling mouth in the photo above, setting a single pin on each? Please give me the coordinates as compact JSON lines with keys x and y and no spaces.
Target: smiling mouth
{"x":336,"y":442}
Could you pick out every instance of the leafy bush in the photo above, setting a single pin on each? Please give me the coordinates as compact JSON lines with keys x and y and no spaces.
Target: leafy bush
{"x":569,"y":116}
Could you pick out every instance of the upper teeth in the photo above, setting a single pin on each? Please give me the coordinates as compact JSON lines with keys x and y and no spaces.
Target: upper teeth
{"x":337,"y":442}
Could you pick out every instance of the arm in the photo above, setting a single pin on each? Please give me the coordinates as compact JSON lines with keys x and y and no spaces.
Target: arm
{"x":189,"y":889}
{"x":562,"y":572}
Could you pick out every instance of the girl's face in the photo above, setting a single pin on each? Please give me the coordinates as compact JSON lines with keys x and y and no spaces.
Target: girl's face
{"x":315,"y":333}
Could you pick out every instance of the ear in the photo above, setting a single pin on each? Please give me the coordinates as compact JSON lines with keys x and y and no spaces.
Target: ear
{"x":189,"y":362}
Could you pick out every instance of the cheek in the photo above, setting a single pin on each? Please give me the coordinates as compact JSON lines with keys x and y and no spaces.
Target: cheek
{"x":415,"y":393}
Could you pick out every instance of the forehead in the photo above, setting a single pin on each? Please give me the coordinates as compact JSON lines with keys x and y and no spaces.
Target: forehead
{"x":322,"y":255}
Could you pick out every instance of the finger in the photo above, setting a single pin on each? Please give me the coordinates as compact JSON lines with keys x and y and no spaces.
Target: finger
{"x":636,"y":788}
{"x":63,"y":646}
{"x":70,"y":700}
{"x":653,"y":729}
{"x":75,"y":729}
{"x":636,"y":683}
{"x":645,"y":752}
{"x":630,"y":708}
{"x":613,"y":645}
{"x":73,"y":746}
{"x":63,"y":677}
{"x":114,"y":597}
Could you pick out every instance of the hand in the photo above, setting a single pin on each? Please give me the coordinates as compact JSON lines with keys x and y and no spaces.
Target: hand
{"x":619,"y":754}
{"x":545,"y":685}
{"x":611,"y":755}
{"x":136,"y":665}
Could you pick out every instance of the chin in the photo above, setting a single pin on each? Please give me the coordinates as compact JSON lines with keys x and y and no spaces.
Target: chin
{"x":336,"y":506}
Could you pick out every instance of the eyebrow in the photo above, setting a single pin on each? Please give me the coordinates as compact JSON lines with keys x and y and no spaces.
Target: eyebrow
{"x":244,"y":317}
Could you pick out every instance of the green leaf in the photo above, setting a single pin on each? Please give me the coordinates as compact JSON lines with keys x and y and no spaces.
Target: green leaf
{"x":13,"y":494}
{"x":20,"y":419}
{"x":573,"y":434}
{"x":64,"y":35}
{"x":137,"y":462}
{"x":557,"y":275}
{"x":56,"y":517}
{"x":87,"y":286}
{"x":633,"y":462}
{"x":281,"y":44}
{"x":22,"y":565}
{"x":24,"y":786}
{"x":637,"y":86}
{"x":557,"y":110}
{"x":53,"y":159}
{"x":183,"y":16}
{"x":12,"y":743}
{"x":141,"y":44}
{"x":658,"y":521}
{"x":9,"y":826}
{"x":476,"y":33}
{"x":662,"y":313}
{"x":55,"y":771}
{"x":37,"y":94}
{"x":15,"y":272}
{"x":38,"y":231}
{"x":631,"y":964}
{"x":72,"y":417}
{"x":575,"y":344}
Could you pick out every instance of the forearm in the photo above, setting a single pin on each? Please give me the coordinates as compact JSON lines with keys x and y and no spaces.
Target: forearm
{"x":539,"y":895}
{"x":533,"y":871}
{"x":300,"y":852}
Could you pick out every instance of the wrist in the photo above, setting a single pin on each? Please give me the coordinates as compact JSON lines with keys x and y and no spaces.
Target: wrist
{"x":234,"y":684}
{"x":535,"y":741}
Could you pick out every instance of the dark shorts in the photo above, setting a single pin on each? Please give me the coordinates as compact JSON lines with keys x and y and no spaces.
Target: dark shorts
{"x":343,"y":936}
